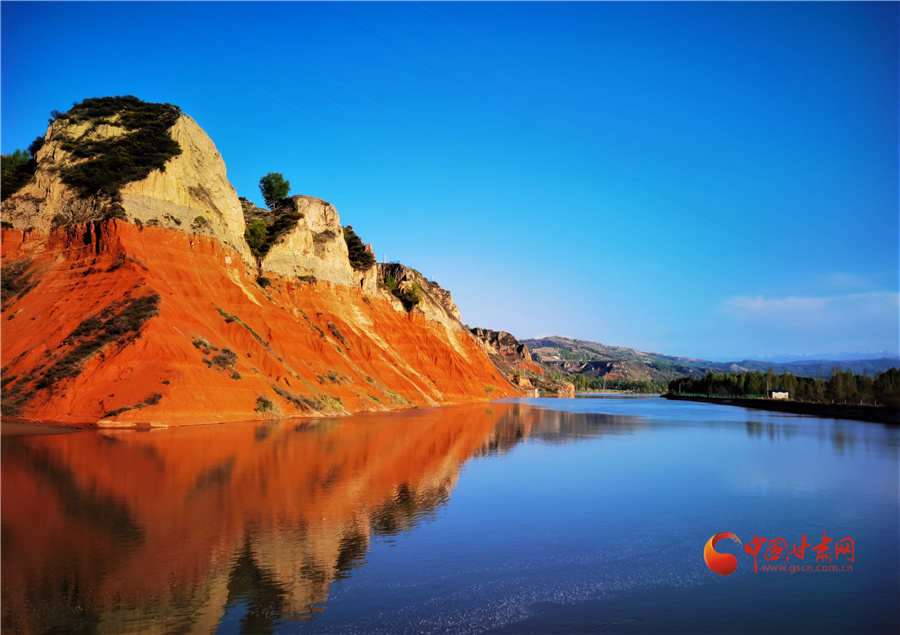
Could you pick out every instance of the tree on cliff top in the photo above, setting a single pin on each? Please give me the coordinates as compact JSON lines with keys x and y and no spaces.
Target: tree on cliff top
{"x":274,"y":188}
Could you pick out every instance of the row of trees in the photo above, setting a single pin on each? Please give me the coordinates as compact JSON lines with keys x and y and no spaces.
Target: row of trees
{"x":840,"y":387}
{"x":583,"y":383}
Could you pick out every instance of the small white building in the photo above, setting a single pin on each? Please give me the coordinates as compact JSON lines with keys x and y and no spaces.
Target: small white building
{"x":779,"y":394}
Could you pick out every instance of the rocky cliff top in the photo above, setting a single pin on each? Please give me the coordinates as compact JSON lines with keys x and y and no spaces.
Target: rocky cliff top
{"x":502,"y":343}
{"x":119,"y":157}
{"x":308,"y":243}
{"x":417,"y":293}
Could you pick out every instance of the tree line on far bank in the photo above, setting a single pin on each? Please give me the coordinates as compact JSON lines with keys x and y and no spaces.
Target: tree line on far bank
{"x":841,"y":387}
{"x":643,"y":387}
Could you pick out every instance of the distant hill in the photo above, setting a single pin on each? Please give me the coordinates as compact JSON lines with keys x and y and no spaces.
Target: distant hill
{"x":593,"y":359}
{"x":823,"y":367}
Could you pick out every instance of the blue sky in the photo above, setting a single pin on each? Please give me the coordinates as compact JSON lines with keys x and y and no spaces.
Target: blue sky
{"x":714,"y":180}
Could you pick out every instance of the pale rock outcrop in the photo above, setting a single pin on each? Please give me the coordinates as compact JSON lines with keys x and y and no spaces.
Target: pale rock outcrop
{"x":436,"y":302}
{"x":45,"y":201}
{"x":192,"y":194}
{"x":316,"y":248}
{"x":554,"y":388}
{"x":194,"y":185}
{"x":502,"y":343}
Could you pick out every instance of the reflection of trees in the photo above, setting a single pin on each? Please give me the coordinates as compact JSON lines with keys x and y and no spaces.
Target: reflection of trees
{"x":256,"y":590}
{"x":408,"y":508}
{"x":521,"y":421}
{"x":840,"y":435}
{"x":556,"y":426}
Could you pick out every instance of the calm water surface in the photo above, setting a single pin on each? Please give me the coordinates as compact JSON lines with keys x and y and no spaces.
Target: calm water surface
{"x":527,"y":516}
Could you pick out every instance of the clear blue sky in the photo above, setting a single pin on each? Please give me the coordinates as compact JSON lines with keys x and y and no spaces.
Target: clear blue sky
{"x":714,"y":180}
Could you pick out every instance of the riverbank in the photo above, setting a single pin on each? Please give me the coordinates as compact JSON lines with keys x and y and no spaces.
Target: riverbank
{"x":877,"y":414}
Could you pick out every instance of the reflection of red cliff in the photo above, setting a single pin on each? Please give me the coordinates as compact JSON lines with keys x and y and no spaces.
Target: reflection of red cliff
{"x":125,"y":517}
{"x":300,"y":346}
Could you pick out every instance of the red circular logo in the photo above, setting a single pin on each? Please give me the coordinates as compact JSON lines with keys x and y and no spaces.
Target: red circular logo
{"x":721,"y":563}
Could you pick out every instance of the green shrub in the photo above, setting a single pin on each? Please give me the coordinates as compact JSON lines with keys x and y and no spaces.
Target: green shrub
{"x":331,"y":377}
{"x":327,"y":402}
{"x":264,"y":405}
{"x":16,"y":170}
{"x":263,"y":282}
{"x":200,"y":223}
{"x":152,"y":400}
{"x":204,"y":345}
{"x":86,"y":327}
{"x":361,"y":258}
{"x":409,"y":297}
{"x":114,"y":210}
{"x":36,"y":145}
{"x":337,"y":333}
{"x":284,"y":222}
{"x":255,"y":233}
{"x":298,"y":400}
{"x":225,"y":359}
{"x":261,"y":236}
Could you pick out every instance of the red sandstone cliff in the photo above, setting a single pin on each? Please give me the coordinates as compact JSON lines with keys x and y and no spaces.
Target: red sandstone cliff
{"x":145,"y":319}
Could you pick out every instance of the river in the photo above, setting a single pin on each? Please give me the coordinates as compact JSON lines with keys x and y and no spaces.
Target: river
{"x":520,"y":516}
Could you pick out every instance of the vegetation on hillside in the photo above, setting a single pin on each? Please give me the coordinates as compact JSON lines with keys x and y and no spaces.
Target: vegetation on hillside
{"x":17,"y":279}
{"x":119,"y":323}
{"x":109,"y":163}
{"x":261,"y":235}
{"x":556,"y":350}
{"x":842,"y":387}
{"x":16,"y":170}
{"x":361,"y":258}
{"x":409,"y":297}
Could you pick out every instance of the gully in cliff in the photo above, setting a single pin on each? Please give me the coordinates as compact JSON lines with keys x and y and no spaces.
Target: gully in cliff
{"x":132,"y":297}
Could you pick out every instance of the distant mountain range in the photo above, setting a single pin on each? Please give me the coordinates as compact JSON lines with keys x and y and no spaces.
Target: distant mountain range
{"x":600,"y":360}
{"x":834,"y":357}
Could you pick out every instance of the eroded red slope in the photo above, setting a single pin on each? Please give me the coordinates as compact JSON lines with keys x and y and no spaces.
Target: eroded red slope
{"x":107,"y":323}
